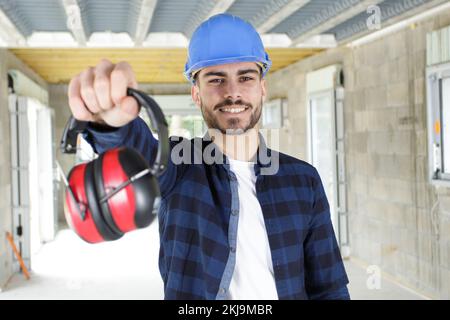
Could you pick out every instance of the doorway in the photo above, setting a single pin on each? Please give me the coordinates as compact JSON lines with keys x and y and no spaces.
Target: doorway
{"x":33,"y":176}
{"x":322,"y":142}
{"x":326,"y":144}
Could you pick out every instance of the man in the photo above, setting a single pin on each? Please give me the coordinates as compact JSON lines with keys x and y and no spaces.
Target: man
{"x":229,"y":229}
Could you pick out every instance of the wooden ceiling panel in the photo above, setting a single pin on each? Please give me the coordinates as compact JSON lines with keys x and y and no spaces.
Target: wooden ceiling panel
{"x":150,"y":65}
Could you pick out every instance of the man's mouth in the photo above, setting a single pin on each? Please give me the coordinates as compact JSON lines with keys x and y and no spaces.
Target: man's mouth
{"x":233,"y":110}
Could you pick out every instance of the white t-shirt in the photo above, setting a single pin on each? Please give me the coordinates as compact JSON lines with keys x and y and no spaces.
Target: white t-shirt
{"x":253,"y":277}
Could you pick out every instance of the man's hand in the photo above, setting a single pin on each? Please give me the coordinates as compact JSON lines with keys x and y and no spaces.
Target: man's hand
{"x":99,"y":94}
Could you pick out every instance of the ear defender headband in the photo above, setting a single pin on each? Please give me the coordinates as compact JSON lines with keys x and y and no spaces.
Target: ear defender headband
{"x":114,"y":193}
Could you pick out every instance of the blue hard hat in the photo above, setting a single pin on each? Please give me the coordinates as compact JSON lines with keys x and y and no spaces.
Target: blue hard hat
{"x":222,"y":39}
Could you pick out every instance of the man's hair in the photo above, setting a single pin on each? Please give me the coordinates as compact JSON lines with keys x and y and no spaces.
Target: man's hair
{"x":195,"y":78}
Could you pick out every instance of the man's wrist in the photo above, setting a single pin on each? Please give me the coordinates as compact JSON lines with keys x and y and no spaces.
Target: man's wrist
{"x":101,"y":127}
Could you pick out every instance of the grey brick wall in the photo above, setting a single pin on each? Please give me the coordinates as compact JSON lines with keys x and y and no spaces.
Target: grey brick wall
{"x":59,"y":102}
{"x":390,"y":201}
{"x":5,"y":175}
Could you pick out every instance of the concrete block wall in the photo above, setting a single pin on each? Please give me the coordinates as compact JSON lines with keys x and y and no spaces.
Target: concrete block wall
{"x":5,"y":174}
{"x":7,"y":61}
{"x":397,"y":220}
{"x":58,"y":101}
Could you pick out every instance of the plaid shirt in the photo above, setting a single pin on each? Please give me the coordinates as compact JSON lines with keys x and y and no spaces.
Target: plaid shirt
{"x":198,"y":220}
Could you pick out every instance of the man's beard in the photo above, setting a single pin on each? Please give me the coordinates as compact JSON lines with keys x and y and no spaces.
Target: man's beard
{"x":233,"y":124}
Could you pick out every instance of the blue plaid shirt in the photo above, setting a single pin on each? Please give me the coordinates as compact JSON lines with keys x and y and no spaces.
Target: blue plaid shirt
{"x":198,"y":220}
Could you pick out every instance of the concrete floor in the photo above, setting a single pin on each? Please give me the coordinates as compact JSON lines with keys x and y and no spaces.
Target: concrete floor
{"x":388,"y":288}
{"x":69,"y":268}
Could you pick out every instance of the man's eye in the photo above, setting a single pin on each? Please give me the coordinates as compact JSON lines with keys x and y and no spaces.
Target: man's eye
{"x":246,"y":79}
{"x":216,"y":81}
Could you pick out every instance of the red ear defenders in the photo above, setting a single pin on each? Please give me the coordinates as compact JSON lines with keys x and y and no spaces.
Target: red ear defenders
{"x":114,"y":193}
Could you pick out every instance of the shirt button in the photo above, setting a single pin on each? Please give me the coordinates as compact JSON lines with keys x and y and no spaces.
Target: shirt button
{"x":233,"y":249}
{"x":223,"y":290}
{"x":234,"y":212}
{"x":232,"y":177}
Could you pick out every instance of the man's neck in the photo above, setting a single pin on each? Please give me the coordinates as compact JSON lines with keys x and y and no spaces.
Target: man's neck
{"x":242,"y":147}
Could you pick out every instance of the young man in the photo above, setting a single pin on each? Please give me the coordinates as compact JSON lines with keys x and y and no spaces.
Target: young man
{"x":233,"y":229}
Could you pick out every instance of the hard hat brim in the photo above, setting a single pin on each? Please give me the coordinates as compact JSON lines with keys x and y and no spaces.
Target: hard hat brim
{"x":189,"y":74}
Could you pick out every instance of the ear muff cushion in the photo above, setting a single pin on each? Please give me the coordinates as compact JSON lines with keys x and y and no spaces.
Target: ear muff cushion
{"x":145,"y":189}
{"x":93,"y":204}
{"x":122,"y":205}
{"x":100,"y":189}
{"x":86,"y":228}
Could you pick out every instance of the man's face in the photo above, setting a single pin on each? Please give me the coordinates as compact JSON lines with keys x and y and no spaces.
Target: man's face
{"x":230,"y":96}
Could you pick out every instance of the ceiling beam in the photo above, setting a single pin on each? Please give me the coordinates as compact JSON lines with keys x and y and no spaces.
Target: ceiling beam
{"x":74,"y":22}
{"x":9,"y":33}
{"x":334,"y":21}
{"x":281,"y":14}
{"x":219,"y":7}
{"x":144,"y":20}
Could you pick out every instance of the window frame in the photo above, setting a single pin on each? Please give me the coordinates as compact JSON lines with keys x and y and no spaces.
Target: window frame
{"x":436,"y":153}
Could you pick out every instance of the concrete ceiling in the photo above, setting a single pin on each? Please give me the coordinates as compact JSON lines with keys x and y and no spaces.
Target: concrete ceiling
{"x":137,"y":19}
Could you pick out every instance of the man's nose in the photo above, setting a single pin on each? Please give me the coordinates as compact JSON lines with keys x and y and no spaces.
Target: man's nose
{"x":232,"y":90}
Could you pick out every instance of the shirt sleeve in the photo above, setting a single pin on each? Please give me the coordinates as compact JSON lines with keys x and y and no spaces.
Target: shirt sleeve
{"x":325,"y":276}
{"x":137,"y":135}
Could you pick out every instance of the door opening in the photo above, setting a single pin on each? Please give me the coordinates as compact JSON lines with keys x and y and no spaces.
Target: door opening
{"x":326,"y":144}
{"x":33,"y":185}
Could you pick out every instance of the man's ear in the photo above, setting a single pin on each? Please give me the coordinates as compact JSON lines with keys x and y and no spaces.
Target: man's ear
{"x":195,"y":94}
{"x":263,"y":89}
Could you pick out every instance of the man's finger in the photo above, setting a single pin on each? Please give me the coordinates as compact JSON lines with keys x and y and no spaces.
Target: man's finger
{"x":87,"y":90}
{"x":122,"y":77}
{"x":102,"y":84}
{"x":122,"y":114}
{"x":76,"y":104}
